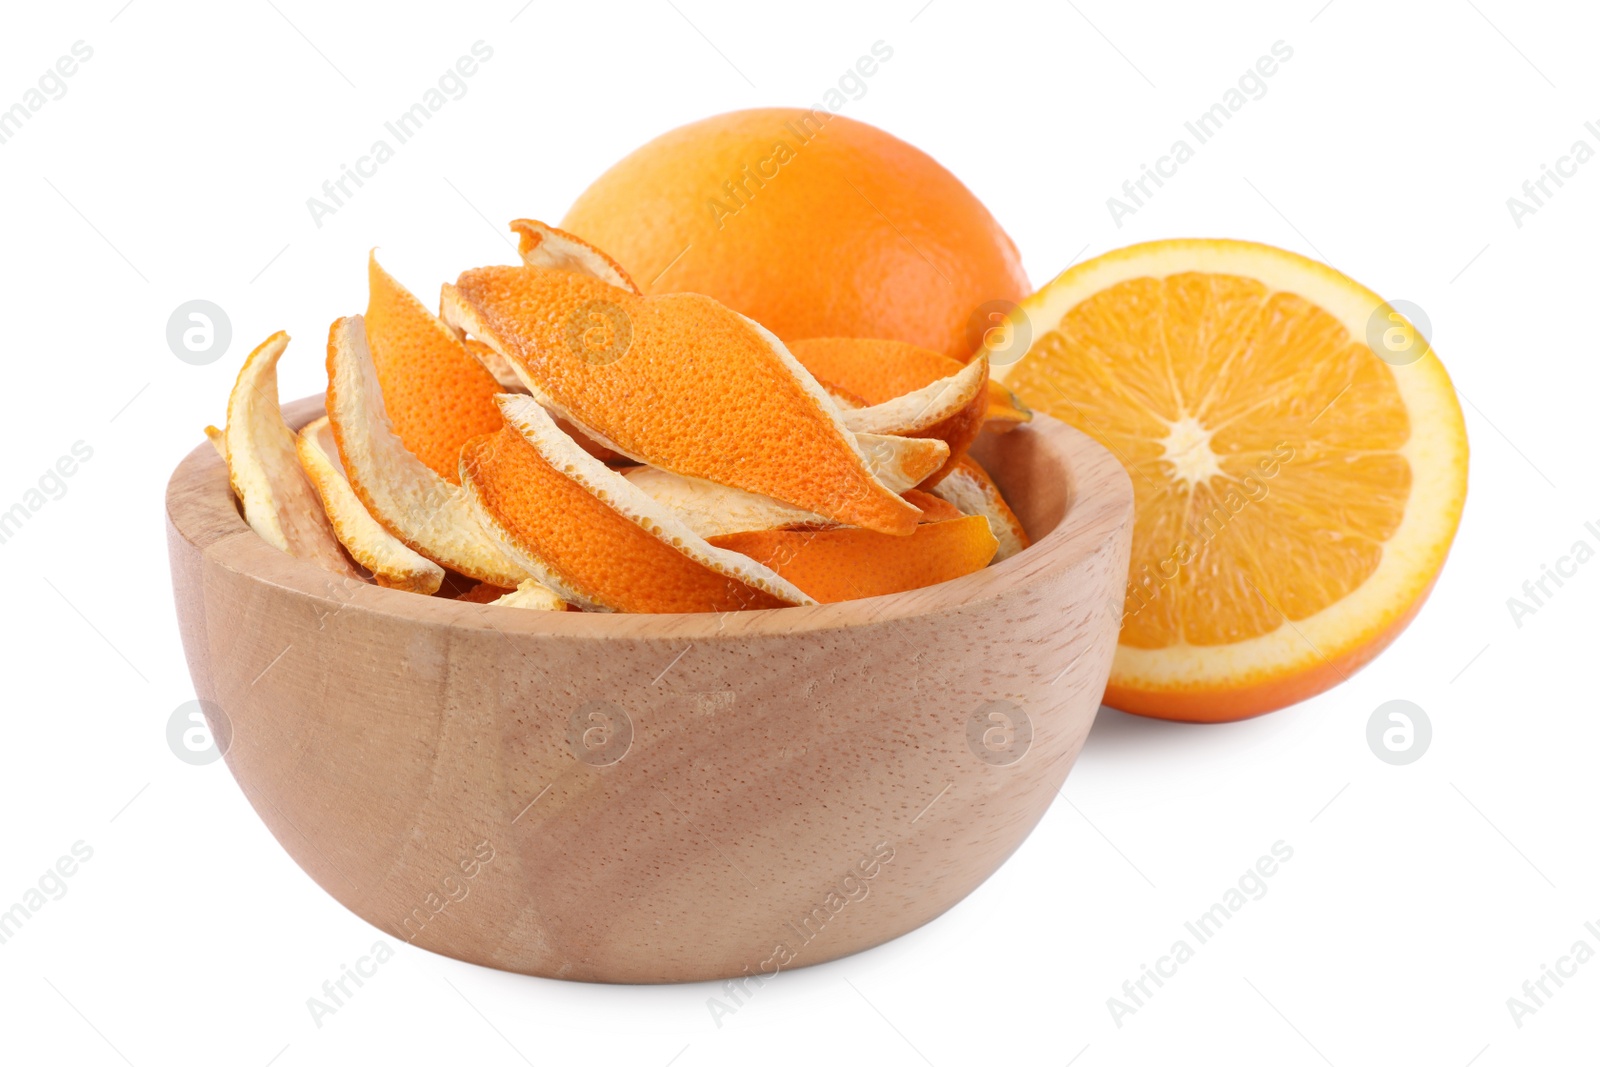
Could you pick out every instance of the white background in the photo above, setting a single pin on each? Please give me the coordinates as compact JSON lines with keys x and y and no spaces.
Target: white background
{"x":1418,"y":899}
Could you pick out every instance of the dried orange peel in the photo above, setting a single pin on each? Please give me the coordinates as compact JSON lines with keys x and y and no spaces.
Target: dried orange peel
{"x":912,"y":390}
{"x":259,"y":447}
{"x":726,"y":401}
{"x":555,"y":441}
{"x":436,"y":394}
{"x":709,"y":509}
{"x":1004,"y":411}
{"x":591,"y":536}
{"x":545,"y":246}
{"x":429,"y":514}
{"x":847,"y":564}
{"x":533,"y":595}
{"x":392,"y":564}
{"x":969,"y":488}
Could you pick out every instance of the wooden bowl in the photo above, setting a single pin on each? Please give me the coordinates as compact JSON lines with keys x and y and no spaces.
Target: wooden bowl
{"x":657,"y":798}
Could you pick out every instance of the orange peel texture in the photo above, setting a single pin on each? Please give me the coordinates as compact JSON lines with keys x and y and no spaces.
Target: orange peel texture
{"x":914,"y":391}
{"x":587,"y":534}
{"x":847,"y":564}
{"x":426,"y":511}
{"x":540,"y":245}
{"x":970,"y":489}
{"x":436,"y":393}
{"x":679,"y":382}
{"x":392,"y":564}
{"x":277,"y":500}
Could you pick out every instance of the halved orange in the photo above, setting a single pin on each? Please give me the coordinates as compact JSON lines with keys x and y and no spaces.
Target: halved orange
{"x":1296,"y":491}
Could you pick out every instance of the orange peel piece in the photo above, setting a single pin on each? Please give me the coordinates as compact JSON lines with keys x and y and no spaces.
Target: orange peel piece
{"x":219,"y":441}
{"x":393,"y":565}
{"x":1004,"y":412}
{"x":436,"y":393}
{"x":848,"y":564}
{"x":970,"y":488}
{"x":259,"y":447}
{"x":680,"y":382}
{"x":921,"y":409}
{"x":934,"y":509}
{"x":912,"y":390}
{"x":710,"y":509}
{"x":591,"y":536}
{"x":545,"y":246}
{"x":432,"y":516}
{"x":496,"y":364}
{"x":532,"y":594}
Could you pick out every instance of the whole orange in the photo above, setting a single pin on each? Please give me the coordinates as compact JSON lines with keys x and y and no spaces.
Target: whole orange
{"x":812,"y":224}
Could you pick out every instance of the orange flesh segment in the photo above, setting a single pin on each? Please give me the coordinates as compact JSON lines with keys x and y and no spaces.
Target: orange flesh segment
{"x":679,"y":382}
{"x":608,"y":559}
{"x":436,"y":393}
{"x":880,"y":370}
{"x":847,"y":564}
{"x":1261,"y":437}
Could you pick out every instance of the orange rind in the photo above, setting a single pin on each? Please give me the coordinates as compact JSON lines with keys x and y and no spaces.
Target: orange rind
{"x":533,"y":595}
{"x":259,"y":447}
{"x":393,"y":565}
{"x":497,"y":365}
{"x":934,"y":509}
{"x":591,"y":536}
{"x":436,"y":394}
{"x":911,"y":390}
{"x":545,"y":246}
{"x":1004,"y":412}
{"x":431,"y":515}
{"x":910,"y":414}
{"x":710,"y":509}
{"x":970,"y":489}
{"x":679,"y":382}
{"x":847,"y":563}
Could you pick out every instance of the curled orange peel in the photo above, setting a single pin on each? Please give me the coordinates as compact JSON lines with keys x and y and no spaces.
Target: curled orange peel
{"x":849,"y":563}
{"x":970,"y":489}
{"x":1004,"y":412}
{"x":911,"y":390}
{"x":545,"y":246}
{"x":679,"y":382}
{"x":435,"y":392}
{"x":921,"y":409}
{"x":392,"y":563}
{"x":710,"y":509}
{"x":532,"y":594}
{"x":934,"y":509}
{"x":259,"y":448}
{"x":431,"y":515}
{"x":593,"y":538}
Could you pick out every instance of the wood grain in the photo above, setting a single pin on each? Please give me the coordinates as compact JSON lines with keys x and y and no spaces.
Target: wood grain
{"x":391,"y":742}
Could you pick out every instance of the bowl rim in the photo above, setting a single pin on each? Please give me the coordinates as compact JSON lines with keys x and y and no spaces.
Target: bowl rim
{"x":1097,"y":503}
